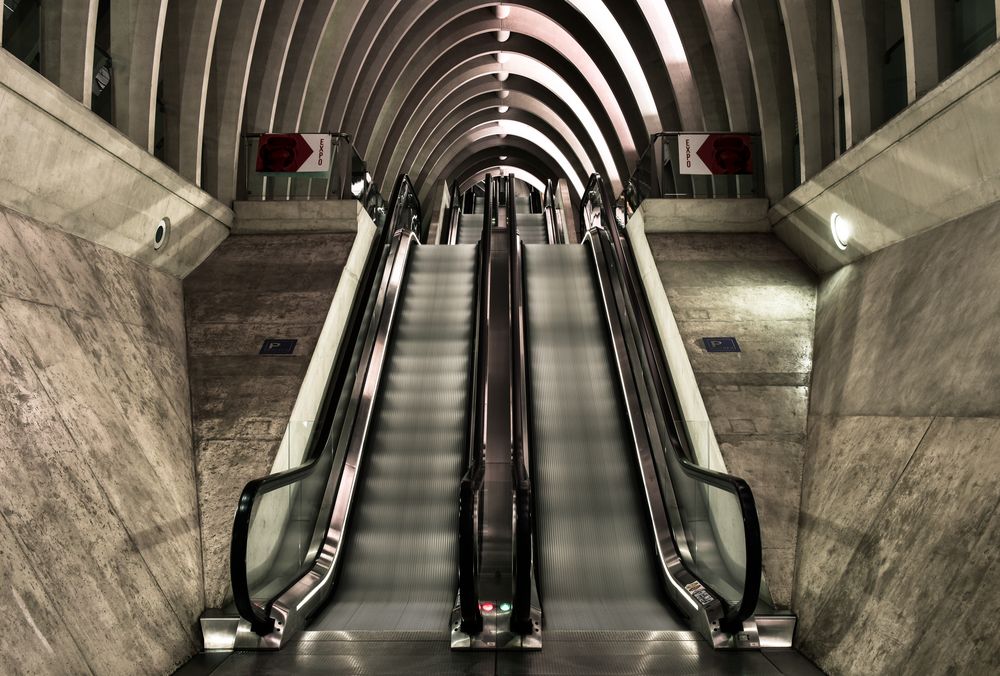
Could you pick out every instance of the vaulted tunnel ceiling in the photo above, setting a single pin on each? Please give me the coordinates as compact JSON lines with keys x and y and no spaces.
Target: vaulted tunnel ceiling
{"x":420,"y":85}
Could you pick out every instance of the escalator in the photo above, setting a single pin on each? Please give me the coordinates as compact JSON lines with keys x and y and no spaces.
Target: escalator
{"x":631,"y":532}
{"x":362,"y":536}
{"x":594,"y":551}
{"x":400,"y":570}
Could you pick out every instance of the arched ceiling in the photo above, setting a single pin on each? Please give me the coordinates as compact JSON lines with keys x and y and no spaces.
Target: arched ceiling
{"x":440,"y":89}
{"x":423,"y":86}
{"x":582,"y":82}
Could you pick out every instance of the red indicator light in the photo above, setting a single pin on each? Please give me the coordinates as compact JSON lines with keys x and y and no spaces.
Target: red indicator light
{"x":486,"y":607}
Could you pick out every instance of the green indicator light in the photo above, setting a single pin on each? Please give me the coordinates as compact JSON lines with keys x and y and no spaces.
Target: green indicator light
{"x":505,"y":607}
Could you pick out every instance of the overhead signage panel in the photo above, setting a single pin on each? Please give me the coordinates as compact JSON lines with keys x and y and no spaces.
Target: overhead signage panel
{"x":307,"y":155}
{"x":715,"y":154}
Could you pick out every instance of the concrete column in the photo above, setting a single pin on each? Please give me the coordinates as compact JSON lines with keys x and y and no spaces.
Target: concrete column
{"x":234,"y":46}
{"x":136,"y":40}
{"x":859,"y":26}
{"x":68,"y":29}
{"x":926,"y":39}
{"x":775,"y":97}
{"x":734,"y":64}
{"x":188,"y":40}
{"x":808,"y":30}
{"x":309,"y":30}
{"x":329,"y":56}
{"x":268,"y":65}
{"x":701,"y":66}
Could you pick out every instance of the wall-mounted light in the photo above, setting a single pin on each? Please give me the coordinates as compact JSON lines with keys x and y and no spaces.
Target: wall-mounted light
{"x":502,"y":10}
{"x":504,"y":93}
{"x":503,"y":57}
{"x":503,"y":35}
{"x":503,"y":108}
{"x":503,"y":158}
{"x":503,"y":75}
{"x":841,"y":230}
{"x":161,"y":233}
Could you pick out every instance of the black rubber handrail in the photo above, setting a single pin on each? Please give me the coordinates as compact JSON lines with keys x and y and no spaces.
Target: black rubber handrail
{"x":666,"y":399}
{"x":520,"y":619}
{"x":454,"y":216}
{"x":472,"y":481}
{"x":402,"y":195}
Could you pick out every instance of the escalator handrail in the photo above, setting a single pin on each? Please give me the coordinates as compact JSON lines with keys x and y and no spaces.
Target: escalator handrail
{"x":523,"y":536}
{"x":403,"y":194}
{"x":549,"y":210}
{"x":451,"y":237}
{"x":735,"y":614}
{"x":472,"y":481}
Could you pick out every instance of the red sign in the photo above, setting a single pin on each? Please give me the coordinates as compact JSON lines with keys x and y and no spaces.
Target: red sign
{"x":294,"y":154}
{"x":715,"y":154}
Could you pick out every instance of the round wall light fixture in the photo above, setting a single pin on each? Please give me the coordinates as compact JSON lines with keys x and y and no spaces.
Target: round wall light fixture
{"x":503,"y":108}
{"x":841,"y":230}
{"x":161,"y":233}
{"x":503,"y":35}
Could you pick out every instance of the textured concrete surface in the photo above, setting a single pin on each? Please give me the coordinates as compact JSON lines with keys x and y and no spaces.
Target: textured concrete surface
{"x":899,"y":521}
{"x":278,"y":217}
{"x":937,"y":160}
{"x":98,"y":513}
{"x":706,"y":215}
{"x":252,"y":288}
{"x":752,"y":287}
{"x":66,"y":167}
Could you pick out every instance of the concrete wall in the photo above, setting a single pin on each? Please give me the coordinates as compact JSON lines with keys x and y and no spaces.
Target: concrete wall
{"x":937,"y":160}
{"x":752,"y":287}
{"x":252,"y":288}
{"x":897,"y":558}
{"x":272,"y":217}
{"x":99,"y":541}
{"x":66,"y":167}
{"x":706,"y":215}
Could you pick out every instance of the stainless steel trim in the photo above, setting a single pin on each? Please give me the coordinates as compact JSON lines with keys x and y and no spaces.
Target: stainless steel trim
{"x":701,"y":607}
{"x":290,"y":610}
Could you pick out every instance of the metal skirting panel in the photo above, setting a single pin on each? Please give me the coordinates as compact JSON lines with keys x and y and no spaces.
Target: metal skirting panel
{"x":596,"y":559}
{"x":615,"y":655}
{"x":400,"y":570}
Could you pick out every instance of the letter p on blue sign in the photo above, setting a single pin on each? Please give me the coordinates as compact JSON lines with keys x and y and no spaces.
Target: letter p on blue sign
{"x":720,"y":344}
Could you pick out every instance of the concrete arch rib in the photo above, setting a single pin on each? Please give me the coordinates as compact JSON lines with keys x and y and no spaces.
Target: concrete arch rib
{"x":810,"y":49}
{"x":188,"y":41}
{"x":67,"y":46}
{"x":466,"y":182}
{"x":477,"y":77}
{"x":528,"y":57}
{"x":267,"y":69}
{"x":488,"y":117}
{"x":234,"y":46}
{"x":522,"y":94}
{"x":304,"y":45}
{"x":490,"y":142}
{"x":483,"y":109}
{"x":775,"y":99}
{"x":344,"y":24}
{"x":859,"y":38}
{"x":732,"y":59}
{"x":582,"y":100}
{"x":487,"y":156}
{"x":136,"y":40}
{"x":446,"y":23}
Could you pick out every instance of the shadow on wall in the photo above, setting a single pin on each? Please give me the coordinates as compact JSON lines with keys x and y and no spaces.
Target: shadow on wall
{"x":902,"y":470}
